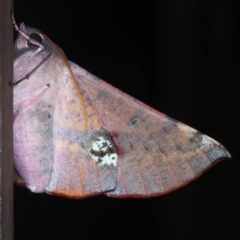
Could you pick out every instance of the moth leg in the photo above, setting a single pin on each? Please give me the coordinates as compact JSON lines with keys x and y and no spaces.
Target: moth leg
{"x":27,"y":76}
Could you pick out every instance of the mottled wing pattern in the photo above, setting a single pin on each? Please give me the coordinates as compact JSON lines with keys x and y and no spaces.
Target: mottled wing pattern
{"x":53,"y":151}
{"x":32,"y":126}
{"x":156,"y":154}
{"x":127,"y":150}
{"x":75,"y":173}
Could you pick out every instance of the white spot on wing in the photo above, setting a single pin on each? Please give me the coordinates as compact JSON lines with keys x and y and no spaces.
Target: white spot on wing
{"x":32,"y":188}
{"x":102,"y":152}
{"x":207,"y":143}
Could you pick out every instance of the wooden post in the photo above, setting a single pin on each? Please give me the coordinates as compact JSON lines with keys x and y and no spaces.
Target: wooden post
{"x":6,"y":121}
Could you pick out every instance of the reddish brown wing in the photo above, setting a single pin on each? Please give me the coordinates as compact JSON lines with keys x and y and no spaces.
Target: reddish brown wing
{"x":75,"y":172}
{"x":156,"y":153}
{"x":128,"y":150}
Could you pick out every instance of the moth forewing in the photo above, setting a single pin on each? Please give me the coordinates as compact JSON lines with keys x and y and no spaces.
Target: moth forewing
{"x":127,"y":149}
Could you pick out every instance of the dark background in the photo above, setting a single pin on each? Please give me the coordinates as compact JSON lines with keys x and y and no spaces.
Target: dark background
{"x":178,"y":56}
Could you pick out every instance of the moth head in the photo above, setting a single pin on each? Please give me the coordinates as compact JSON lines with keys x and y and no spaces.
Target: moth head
{"x":23,"y":43}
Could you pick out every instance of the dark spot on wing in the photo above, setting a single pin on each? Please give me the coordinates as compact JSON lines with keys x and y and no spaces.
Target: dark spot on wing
{"x":102,"y":153}
{"x":134,"y":121}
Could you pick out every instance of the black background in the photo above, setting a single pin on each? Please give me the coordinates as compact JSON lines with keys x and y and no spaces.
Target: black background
{"x":178,"y":56}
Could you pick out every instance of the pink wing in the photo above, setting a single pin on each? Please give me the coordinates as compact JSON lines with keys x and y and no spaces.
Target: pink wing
{"x":129,"y":150}
{"x":157,"y":154}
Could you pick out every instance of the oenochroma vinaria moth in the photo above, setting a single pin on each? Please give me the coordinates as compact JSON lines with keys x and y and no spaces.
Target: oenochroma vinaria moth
{"x":77,"y":136}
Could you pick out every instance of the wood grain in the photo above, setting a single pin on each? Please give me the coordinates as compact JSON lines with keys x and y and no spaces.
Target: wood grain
{"x":6,"y":116}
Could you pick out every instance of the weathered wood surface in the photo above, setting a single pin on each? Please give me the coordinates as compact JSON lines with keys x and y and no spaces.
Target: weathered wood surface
{"x":6,"y":101}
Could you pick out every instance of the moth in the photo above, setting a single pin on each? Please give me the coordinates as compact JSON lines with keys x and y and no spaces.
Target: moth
{"x":77,"y":136}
